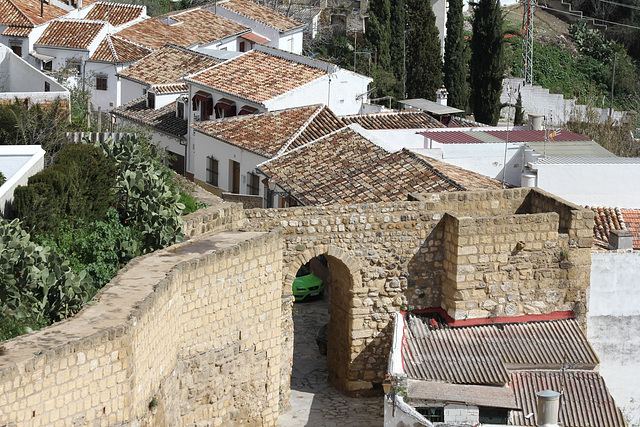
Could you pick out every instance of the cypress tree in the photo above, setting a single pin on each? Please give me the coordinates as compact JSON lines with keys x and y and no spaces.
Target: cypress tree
{"x":518,"y":119}
{"x":379,"y":31}
{"x":455,"y":61}
{"x":424,"y":62}
{"x":398,"y":26}
{"x":487,"y":61}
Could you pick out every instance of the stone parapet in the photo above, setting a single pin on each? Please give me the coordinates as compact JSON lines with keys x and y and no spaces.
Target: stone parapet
{"x":187,"y":334}
{"x":213,"y":219}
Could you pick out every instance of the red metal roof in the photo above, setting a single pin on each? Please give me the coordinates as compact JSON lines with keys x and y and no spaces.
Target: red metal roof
{"x":535,"y":135}
{"x":586,"y":400}
{"x":454,"y":137}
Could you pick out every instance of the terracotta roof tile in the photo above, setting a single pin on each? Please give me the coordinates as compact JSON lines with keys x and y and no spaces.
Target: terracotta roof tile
{"x":26,"y":13}
{"x":17,"y":31}
{"x":586,"y":400}
{"x":258,"y":76}
{"x":207,"y":25}
{"x":167,"y":65}
{"x":163,"y":119}
{"x":170,"y":88}
{"x":114,"y":49}
{"x":261,"y":14}
{"x":153,"y":34}
{"x":394,"y":120}
{"x":74,"y":33}
{"x":274,"y":132}
{"x":115,"y":13}
{"x":345,"y":167}
{"x":614,"y":218}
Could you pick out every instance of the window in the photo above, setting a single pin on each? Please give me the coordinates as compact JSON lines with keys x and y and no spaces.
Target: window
{"x":435,"y":415}
{"x":47,"y":87}
{"x":234,"y":169}
{"x":493,"y":415}
{"x":151,"y":100}
{"x":243,"y":46}
{"x":180,"y":110}
{"x":47,"y":66}
{"x":254,"y":184}
{"x":101,"y":83}
{"x":212,"y":171}
{"x":225,"y":108}
{"x":17,"y":49}
{"x":75,"y":64}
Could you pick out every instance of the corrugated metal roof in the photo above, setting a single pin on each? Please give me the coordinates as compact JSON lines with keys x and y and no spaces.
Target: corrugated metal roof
{"x":482,"y":354}
{"x":430,"y":106}
{"x":452,"y":137}
{"x":586,"y":401}
{"x":578,"y":149}
{"x":478,"y":395}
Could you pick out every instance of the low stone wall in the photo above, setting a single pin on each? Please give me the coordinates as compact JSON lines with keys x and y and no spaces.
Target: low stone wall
{"x":186,"y":334}
{"x":213,"y":219}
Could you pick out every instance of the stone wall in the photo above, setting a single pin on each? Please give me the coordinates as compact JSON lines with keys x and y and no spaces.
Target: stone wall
{"x":186,"y":335}
{"x":475,"y":254}
{"x":223,"y":216}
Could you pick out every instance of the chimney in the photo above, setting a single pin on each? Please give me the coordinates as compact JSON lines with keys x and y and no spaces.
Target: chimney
{"x":548,"y":408}
{"x":441,"y":96}
{"x":620,"y":239}
{"x":535,"y":121}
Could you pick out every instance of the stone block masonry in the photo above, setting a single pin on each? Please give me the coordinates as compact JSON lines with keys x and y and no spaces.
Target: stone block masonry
{"x":189,"y":335}
{"x":475,"y":254}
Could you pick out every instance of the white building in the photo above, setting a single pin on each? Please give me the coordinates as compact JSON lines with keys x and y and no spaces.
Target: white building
{"x":271,"y":27}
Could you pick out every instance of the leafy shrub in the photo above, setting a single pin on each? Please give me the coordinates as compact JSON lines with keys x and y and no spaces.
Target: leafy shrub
{"x":36,"y":284}
{"x":78,"y":186}
{"x":2,"y":178}
{"x":100,"y":248}
{"x":149,"y":199}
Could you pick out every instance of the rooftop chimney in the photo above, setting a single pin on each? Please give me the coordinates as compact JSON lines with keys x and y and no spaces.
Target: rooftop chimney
{"x":441,"y":96}
{"x":535,"y":121}
{"x":548,"y":408}
{"x":620,"y":239}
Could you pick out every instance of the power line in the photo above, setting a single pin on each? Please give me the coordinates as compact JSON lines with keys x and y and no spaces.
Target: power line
{"x":587,"y":17}
{"x":621,"y":4}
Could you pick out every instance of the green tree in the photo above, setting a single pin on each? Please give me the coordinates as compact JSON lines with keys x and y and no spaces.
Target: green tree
{"x":398,"y":27}
{"x":455,"y":61}
{"x":379,"y":31}
{"x":487,"y":64}
{"x":424,"y":62}
{"x":518,"y":118}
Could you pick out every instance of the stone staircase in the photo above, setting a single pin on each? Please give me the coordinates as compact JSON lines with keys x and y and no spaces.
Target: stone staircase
{"x":562,"y":9}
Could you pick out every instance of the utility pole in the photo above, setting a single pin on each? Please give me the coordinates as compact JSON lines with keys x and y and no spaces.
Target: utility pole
{"x":526,"y":64}
{"x":613,"y":76}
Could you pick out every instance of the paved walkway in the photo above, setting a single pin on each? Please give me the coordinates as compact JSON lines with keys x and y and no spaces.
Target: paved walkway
{"x":315,"y":402}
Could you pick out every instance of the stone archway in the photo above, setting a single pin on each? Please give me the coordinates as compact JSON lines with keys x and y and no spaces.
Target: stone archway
{"x":346,"y":277}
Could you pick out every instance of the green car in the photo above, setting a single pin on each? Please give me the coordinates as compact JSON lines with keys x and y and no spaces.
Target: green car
{"x":306,"y":285}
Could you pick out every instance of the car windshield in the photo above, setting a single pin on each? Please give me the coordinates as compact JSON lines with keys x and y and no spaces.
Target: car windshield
{"x":303,"y":271}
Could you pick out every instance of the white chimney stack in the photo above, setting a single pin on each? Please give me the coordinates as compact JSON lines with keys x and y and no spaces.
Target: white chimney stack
{"x":548,"y":408}
{"x":441,"y":96}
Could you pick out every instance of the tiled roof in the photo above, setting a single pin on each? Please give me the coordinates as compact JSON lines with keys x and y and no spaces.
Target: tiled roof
{"x":261,"y":14}
{"x":115,"y":13}
{"x":114,"y":49}
{"x":253,"y":37}
{"x":153,"y":34}
{"x":394,"y":120}
{"x":481,"y":354}
{"x":167,"y":65}
{"x":586,"y":400}
{"x":26,"y":13}
{"x":207,"y":25}
{"x":466,"y":179}
{"x":170,"y":88}
{"x":74,"y":33}
{"x":17,"y":31}
{"x":499,"y":136}
{"x":163,"y":119}
{"x":258,"y":76}
{"x":609,"y":218}
{"x":345,"y":167}
{"x":274,"y":132}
